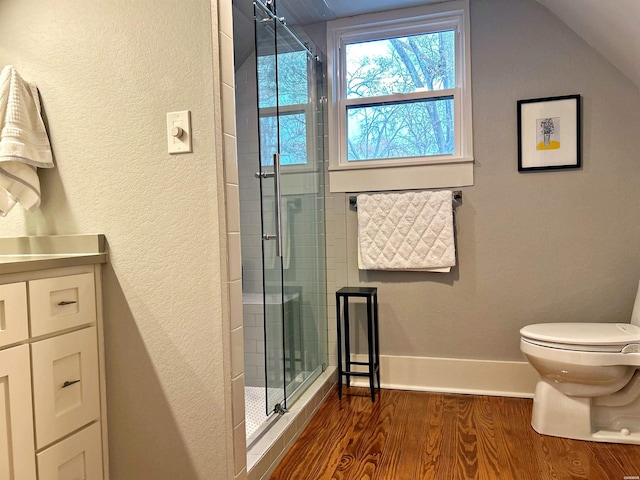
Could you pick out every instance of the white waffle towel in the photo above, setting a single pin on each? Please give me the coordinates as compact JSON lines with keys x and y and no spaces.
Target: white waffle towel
{"x":406,"y":231}
{"x":24,"y":144}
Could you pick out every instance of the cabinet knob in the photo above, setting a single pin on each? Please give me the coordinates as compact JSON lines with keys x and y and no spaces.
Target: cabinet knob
{"x":68,"y":383}
{"x":66,"y":302}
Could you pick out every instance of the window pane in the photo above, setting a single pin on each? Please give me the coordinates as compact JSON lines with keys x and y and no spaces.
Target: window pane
{"x":401,"y":65}
{"x":403,"y":129}
{"x":293,"y":139}
{"x":292,"y":79}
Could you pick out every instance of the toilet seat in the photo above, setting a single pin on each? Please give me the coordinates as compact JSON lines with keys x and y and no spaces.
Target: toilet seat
{"x":589,"y":384}
{"x":585,"y":337}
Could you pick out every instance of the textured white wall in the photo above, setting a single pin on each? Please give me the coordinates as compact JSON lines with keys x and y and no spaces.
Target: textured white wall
{"x":108,"y":72}
{"x":536,"y":247}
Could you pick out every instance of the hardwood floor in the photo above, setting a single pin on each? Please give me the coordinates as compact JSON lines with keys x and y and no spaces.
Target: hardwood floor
{"x":417,"y":435}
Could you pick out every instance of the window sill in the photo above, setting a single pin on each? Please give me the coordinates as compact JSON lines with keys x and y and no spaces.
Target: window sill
{"x":373,"y":164}
{"x":401,"y":177}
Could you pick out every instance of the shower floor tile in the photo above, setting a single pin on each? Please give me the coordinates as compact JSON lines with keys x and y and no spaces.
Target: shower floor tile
{"x":255,"y":406}
{"x":255,"y":402}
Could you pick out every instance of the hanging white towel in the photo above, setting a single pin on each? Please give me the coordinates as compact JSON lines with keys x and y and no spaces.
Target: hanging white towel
{"x":24,"y":144}
{"x":406,"y":231}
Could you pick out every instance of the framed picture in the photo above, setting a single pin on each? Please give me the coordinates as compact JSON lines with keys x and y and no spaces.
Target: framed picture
{"x":549,"y":134}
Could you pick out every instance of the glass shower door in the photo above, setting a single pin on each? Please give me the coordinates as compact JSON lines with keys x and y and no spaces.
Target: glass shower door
{"x":292,"y":210}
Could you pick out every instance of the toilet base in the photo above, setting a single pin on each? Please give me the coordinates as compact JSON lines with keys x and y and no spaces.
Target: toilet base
{"x":559,"y":415}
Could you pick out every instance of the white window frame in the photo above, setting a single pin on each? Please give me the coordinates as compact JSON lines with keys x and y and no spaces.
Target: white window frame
{"x":437,"y":171}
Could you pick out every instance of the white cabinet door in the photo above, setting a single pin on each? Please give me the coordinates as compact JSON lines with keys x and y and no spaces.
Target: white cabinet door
{"x":65,"y":384}
{"x":14,"y":326}
{"x":76,"y":457}
{"x":17,"y":460}
{"x":61,"y":302}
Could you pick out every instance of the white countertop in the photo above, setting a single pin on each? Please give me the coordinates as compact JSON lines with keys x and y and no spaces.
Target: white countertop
{"x":23,"y":254}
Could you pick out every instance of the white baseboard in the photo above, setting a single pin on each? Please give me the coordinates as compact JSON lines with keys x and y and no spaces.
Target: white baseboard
{"x":453,"y":375}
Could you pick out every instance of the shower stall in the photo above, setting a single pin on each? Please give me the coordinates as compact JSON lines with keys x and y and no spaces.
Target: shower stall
{"x":281,"y":178}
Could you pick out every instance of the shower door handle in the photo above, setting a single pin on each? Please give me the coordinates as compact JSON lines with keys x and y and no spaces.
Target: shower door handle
{"x":278,"y":204}
{"x":277,"y":192}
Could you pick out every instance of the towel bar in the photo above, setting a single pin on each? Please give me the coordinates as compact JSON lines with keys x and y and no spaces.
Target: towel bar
{"x":457,"y":200}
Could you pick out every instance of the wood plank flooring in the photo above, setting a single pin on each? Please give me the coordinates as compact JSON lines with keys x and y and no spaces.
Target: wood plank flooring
{"x":417,"y":435}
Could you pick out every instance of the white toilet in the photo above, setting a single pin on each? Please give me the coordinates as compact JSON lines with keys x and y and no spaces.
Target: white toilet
{"x":589,"y":386}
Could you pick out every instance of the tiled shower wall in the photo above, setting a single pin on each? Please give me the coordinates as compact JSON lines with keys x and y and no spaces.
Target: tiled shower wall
{"x":248,"y":152}
{"x":250,"y":223}
{"x":235,"y":334}
{"x":254,"y":363}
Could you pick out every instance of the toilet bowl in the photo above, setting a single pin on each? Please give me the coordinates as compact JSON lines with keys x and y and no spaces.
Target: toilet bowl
{"x":589,"y":387}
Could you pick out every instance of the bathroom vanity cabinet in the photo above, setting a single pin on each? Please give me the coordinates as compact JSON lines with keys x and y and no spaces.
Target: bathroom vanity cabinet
{"x":52,"y":384}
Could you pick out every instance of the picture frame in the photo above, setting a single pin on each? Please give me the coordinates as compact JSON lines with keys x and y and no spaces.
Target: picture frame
{"x":549,"y":133}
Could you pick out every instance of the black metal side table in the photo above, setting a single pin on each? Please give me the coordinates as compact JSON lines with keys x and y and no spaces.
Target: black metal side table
{"x":342,"y":317}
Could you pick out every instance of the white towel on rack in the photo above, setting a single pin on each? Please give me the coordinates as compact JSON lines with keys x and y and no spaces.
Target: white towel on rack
{"x":406,"y":231}
{"x":24,"y":144}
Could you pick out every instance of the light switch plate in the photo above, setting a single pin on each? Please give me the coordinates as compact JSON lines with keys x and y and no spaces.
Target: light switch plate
{"x":179,"y":140}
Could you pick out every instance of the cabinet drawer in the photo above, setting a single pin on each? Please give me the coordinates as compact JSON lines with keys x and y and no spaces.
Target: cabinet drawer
{"x":16,"y":424}
{"x":62,"y":302}
{"x":76,"y":457}
{"x":65,"y":384}
{"x":13,"y":313}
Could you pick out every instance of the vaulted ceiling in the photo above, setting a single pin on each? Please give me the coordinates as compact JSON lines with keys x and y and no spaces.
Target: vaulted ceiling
{"x":610,"y":27}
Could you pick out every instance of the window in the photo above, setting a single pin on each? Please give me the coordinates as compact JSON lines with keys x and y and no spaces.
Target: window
{"x":283,"y":107}
{"x":400,"y":105}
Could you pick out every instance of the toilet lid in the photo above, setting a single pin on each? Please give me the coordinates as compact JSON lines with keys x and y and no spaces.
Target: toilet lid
{"x":583,"y":334}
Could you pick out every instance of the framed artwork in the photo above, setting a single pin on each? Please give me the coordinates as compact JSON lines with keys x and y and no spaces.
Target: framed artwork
{"x":549,"y":135}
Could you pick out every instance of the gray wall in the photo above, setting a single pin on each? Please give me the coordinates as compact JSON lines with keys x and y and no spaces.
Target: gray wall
{"x":536,"y":247}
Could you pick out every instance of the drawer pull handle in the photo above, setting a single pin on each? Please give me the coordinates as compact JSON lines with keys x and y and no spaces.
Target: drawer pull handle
{"x":66,"y":302}
{"x":68,"y":383}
